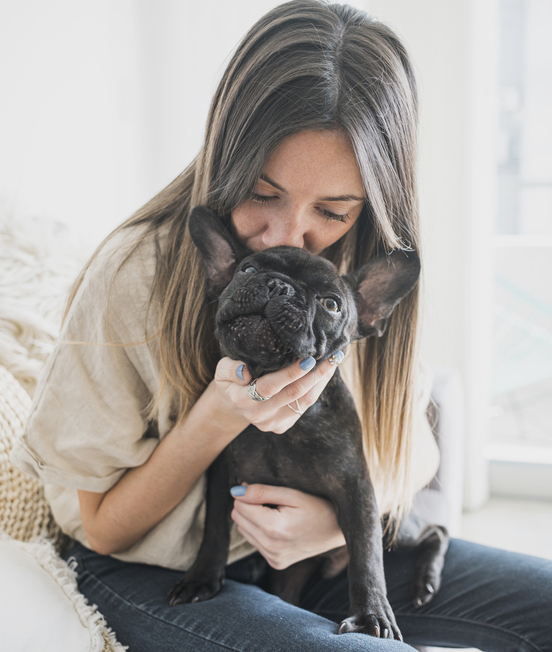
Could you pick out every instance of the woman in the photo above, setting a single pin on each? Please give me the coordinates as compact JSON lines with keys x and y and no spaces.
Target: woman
{"x":310,"y":142}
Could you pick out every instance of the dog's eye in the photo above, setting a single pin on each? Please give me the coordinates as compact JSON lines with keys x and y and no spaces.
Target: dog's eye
{"x":249,"y":270}
{"x":330,"y":304}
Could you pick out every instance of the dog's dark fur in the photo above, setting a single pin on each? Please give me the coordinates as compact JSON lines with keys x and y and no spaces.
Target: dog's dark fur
{"x":271,"y":313}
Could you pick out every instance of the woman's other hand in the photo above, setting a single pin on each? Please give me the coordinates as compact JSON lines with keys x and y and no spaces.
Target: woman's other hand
{"x":291,"y":390}
{"x":295,"y":527}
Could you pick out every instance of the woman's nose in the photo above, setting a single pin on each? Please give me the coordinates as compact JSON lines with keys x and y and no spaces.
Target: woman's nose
{"x":286,"y":230}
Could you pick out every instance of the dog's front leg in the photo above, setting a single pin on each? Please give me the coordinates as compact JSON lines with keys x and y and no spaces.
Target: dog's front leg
{"x":369,"y":608}
{"x":206,"y":576}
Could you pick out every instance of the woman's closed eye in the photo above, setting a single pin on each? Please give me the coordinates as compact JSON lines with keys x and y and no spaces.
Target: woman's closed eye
{"x":265,"y":199}
{"x":334,"y":216}
{"x":262,"y":199}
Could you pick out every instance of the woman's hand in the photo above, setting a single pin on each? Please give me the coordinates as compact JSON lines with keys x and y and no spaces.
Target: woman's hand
{"x":301,"y":525}
{"x":292,"y":390}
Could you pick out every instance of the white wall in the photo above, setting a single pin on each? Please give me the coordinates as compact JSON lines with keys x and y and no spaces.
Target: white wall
{"x":104,"y":103}
{"x":184,"y":49}
{"x":71,"y":125}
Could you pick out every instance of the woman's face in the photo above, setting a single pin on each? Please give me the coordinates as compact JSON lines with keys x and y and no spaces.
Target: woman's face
{"x":309,"y":194}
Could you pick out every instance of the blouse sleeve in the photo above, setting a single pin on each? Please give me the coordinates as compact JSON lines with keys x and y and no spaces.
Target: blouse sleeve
{"x":88,"y":419}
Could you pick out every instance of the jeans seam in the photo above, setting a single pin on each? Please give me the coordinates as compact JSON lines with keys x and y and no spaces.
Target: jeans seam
{"x":163,"y":620}
{"x":472,"y":622}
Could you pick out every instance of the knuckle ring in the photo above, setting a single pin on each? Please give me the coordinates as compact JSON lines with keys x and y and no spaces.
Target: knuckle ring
{"x":297,"y":410}
{"x":252,"y":391}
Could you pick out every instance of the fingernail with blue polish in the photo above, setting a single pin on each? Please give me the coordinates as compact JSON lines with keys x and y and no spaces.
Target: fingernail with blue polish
{"x":238,"y":491}
{"x":239,"y":371}
{"x":336,"y":358}
{"x":307,"y":363}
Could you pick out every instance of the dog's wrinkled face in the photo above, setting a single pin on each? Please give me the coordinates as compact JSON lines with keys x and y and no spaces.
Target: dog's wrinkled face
{"x":284,"y":304}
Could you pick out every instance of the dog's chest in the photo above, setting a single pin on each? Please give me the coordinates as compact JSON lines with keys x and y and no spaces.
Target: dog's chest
{"x":321,"y":449}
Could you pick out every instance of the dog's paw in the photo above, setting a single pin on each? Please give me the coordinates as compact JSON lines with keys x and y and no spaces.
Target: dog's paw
{"x":427,"y":574}
{"x":194,"y":590}
{"x":380,"y":624}
{"x":425,"y":585}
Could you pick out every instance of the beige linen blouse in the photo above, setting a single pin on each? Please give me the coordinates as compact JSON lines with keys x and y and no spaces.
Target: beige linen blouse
{"x":87,"y":424}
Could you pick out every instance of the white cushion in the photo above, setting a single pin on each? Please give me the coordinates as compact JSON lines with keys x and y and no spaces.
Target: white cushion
{"x":41,"y":609}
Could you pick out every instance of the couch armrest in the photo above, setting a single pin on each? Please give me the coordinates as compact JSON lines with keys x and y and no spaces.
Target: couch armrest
{"x":441,"y":502}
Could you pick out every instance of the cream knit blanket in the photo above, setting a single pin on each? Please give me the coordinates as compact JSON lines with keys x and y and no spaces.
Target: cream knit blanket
{"x":39,"y":261}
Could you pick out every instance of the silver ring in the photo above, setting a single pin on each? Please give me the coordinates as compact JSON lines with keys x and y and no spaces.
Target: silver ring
{"x":252,"y":391}
{"x":298,"y":410}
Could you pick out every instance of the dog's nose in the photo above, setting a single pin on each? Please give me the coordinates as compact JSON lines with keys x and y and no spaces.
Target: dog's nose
{"x":278,"y":288}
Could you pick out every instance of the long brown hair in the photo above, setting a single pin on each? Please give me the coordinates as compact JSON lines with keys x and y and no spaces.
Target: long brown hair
{"x":306,"y":64}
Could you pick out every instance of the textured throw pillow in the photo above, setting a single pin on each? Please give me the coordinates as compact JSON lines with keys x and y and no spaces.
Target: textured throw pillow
{"x":41,"y":609}
{"x":24,"y":512}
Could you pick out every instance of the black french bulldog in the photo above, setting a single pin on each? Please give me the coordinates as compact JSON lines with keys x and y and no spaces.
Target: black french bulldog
{"x":275,"y":307}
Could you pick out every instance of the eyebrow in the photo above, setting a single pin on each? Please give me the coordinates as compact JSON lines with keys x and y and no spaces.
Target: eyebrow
{"x":266,"y":178}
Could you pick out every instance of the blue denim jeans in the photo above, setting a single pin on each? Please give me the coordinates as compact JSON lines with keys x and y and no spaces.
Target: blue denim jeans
{"x":489,"y":599}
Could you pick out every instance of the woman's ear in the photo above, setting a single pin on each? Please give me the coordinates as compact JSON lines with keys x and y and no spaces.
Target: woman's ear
{"x":378,"y":286}
{"x":219,"y":250}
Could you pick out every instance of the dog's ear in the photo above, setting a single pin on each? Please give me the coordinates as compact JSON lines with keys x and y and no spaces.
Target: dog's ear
{"x":219,"y":250}
{"x":378,"y":286}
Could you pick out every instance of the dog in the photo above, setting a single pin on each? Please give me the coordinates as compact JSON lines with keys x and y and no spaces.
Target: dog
{"x":275,"y":307}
